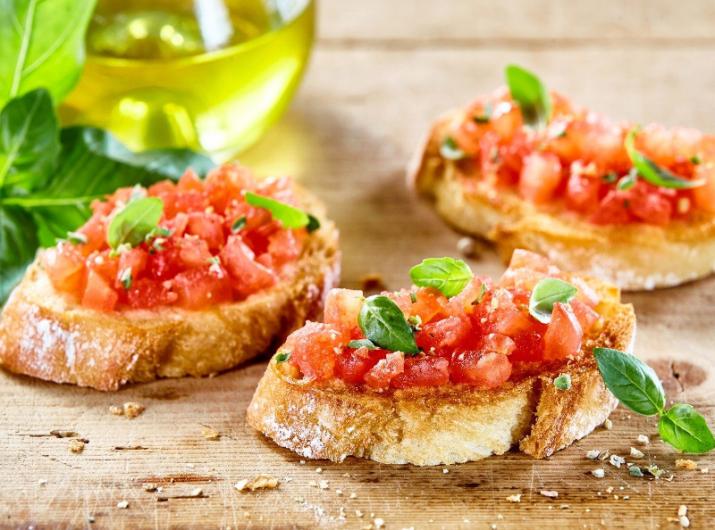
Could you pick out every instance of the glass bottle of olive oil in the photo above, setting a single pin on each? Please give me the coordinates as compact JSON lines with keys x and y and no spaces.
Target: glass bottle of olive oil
{"x":207,"y":74}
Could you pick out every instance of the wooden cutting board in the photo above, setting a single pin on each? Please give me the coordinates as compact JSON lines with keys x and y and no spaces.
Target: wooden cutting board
{"x":376,"y":81}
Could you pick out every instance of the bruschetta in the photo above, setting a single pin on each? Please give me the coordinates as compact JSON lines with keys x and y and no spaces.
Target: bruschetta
{"x":526,"y":168}
{"x":456,"y":368}
{"x":188,"y":278}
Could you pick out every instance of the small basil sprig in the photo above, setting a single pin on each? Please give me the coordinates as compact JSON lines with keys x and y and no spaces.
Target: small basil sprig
{"x":531,"y":96}
{"x":134,"y":222}
{"x":384,"y":324}
{"x":450,"y":150}
{"x":545,"y":294}
{"x":449,"y":275}
{"x":289,"y":216}
{"x":637,"y":386}
{"x":652,"y":172}
{"x":362,"y":343}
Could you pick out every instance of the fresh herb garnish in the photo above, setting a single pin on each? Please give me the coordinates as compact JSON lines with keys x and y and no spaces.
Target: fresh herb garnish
{"x":485,"y":116}
{"x":482,"y":292}
{"x":76,"y":238}
{"x":563,"y":381}
{"x":282,"y":356}
{"x":450,"y":150}
{"x":362,"y":343}
{"x":415,"y":322}
{"x":610,"y":177}
{"x":238,"y":224}
{"x":627,"y":181}
{"x":132,"y":223}
{"x":652,"y":172}
{"x":530,"y":94}
{"x":545,"y":294}
{"x":695,"y":160}
{"x":313,"y":223}
{"x":125,"y":277}
{"x":383,"y":323}
{"x":448,"y":275}
{"x":637,"y":386}
{"x":289,"y":216}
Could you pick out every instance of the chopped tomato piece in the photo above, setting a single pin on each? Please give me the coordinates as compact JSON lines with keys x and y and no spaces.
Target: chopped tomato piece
{"x":505,"y":316}
{"x":704,"y":196}
{"x":207,"y":226}
{"x":429,"y":303}
{"x":342,"y":309}
{"x":442,"y":336}
{"x":284,"y":246}
{"x":482,"y":370}
{"x":225,"y":183}
{"x":585,"y":315}
{"x":529,"y":345}
{"x":202,"y":287}
{"x":189,"y":181}
{"x":352,"y":365}
{"x":104,"y":264}
{"x":540,"y":177}
{"x":135,"y":261}
{"x":98,"y":293}
{"x":240,"y":261}
{"x":563,"y":336}
{"x":649,"y":205}
{"x":312,"y":349}
{"x":193,"y":252}
{"x":146,"y":293}
{"x":65,"y":267}
{"x":380,"y":375}
{"x":497,"y":343}
{"x":423,"y":371}
{"x":613,"y":209}
{"x":582,"y":192}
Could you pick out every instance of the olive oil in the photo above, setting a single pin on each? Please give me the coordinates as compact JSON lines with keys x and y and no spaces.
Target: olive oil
{"x":207,"y":74}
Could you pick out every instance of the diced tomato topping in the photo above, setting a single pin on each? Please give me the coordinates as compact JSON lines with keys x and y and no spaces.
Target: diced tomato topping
{"x":429,"y":303}
{"x":342,"y":309}
{"x":352,"y":365}
{"x":470,"y":296}
{"x":98,"y":293}
{"x":385,"y":370}
{"x":704,"y":196}
{"x":539,"y":177}
{"x":498,"y":343}
{"x":585,"y":315}
{"x":649,"y":205}
{"x":483,"y":370}
{"x":442,"y":336}
{"x":197,"y":240}
{"x":613,"y":209}
{"x":582,"y":192}
{"x":563,"y":336}
{"x":312,"y":349}
{"x":423,"y":371}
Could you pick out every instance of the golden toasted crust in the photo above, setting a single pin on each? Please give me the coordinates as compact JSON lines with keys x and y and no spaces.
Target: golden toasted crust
{"x":633,"y":257}
{"x":44,"y":335}
{"x":444,"y":425}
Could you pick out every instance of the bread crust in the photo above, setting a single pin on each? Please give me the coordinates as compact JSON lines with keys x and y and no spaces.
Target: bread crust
{"x":444,"y":425}
{"x":44,"y":335}
{"x":633,"y":256}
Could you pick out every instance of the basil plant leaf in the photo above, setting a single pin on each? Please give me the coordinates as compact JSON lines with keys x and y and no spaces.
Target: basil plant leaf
{"x":686,"y":429}
{"x":450,"y":150}
{"x":18,"y":244}
{"x":652,"y":172}
{"x":42,"y":44}
{"x":545,"y":294}
{"x":131,"y":225}
{"x":29,"y":141}
{"x":170,"y":162}
{"x":289,"y":216}
{"x":362,"y":343}
{"x":530,"y":94}
{"x":448,"y":275}
{"x":633,"y":382}
{"x":384,"y":324}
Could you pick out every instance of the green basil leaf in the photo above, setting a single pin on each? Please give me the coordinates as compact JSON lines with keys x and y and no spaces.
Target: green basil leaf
{"x":652,"y":172}
{"x":384,"y":324}
{"x":170,"y":162}
{"x":627,"y":181}
{"x":29,"y":141}
{"x":632,"y":381}
{"x":282,"y":356}
{"x":362,"y":343}
{"x":449,"y":275}
{"x":238,"y":224}
{"x":42,"y":45}
{"x":450,"y":150}
{"x":131,"y":225}
{"x":686,"y":429}
{"x":313,"y":223}
{"x":18,"y":243}
{"x":545,"y":294}
{"x":530,"y":94}
{"x":289,"y":216}
{"x":563,"y":382}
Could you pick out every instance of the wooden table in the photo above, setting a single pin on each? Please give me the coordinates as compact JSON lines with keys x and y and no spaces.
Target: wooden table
{"x":381,"y":71}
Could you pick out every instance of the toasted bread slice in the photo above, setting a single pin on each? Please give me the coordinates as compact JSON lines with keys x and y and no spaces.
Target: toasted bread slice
{"x":44,"y":335}
{"x":448,"y":424}
{"x":633,"y":256}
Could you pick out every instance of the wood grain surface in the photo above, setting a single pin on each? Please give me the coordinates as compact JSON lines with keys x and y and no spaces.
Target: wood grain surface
{"x":380,"y":73}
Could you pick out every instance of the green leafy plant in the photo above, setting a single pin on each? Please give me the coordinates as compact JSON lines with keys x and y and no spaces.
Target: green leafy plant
{"x":49,"y":176}
{"x":637,"y":386}
{"x":383,"y":323}
{"x":448,"y":275}
{"x":652,"y":172}
{"x":531,"y":95}
{"x":133,"y":223}
{"x":545,"y":294}
{"x":42,"y":45}
{"x":289,"y":216}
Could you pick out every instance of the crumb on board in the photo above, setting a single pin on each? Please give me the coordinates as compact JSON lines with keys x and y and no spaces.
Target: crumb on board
{"x":593,"y":454}
{"x":643,"y":439}
{"x":467,"y":247}
{"x":685,"y":463}
{"x":372,"y":282}
{"x":42,"y":482}
{"x":323,"y":484}
{"x":636,"y":453}
{"x":514,"y":498}
{"x":130,"y":409}
{"x":683,"y":516}
{"x":210,"y":434}
{"x":552,"y":494}
{"x":123,"y":505}
{"x":608,"y":424}
{"x":149,"y":486}
{"x":616,"y":461}
{"x":257,"y":483}
{"x":378,"y":522}
{"x":598,"y":472}
{"x":76,"y":446}
{"x":353,"y":495}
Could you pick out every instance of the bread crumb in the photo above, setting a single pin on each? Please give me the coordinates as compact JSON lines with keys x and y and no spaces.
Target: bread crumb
{"x":123,"y":505}
{"x":378,"y":522}
{"x":319,"y":470}
{"x":196,"y":492}
{"x":445,"y":471}
{"x":149,"y":486}
{"x":684,"y":521}
{"x":705,"y":470}
{"x":593,"y":454}
{"x":643,"y":439}
{"x":358,"y":513}
{"x":117,"y":411}
{"x":323,"y":484}
{"x":616,"y":461}
{"x":609,"y":489}
{"x":302,"y":462}
{"x":259,"y":482}
{"x":467,"y":247}
{"x":339,"y":493}
{"x":514,"y":498}
{"x":682,"y":510}
{"x":635,"y":453}
{"x":42,"y":482}
{"x":210,"y":434}
{"x":684,"y":463}
{"x":76,"y":446}
{"x":130,"y":409}
{"x":353,"y":495}
{"x":608,"y":424}
{"x":598,"y":472}
{"x":372,"y":282}
{"x":549,"y":493}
